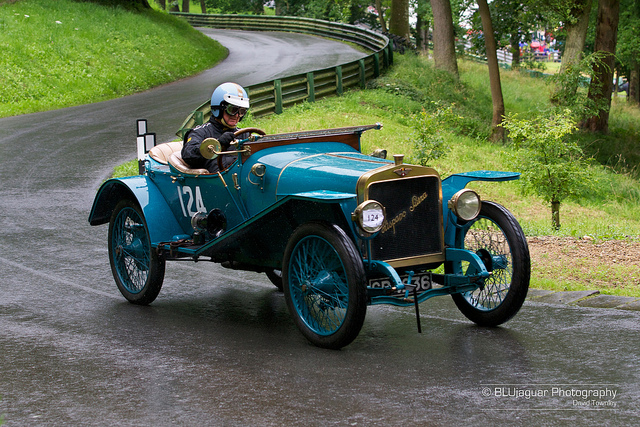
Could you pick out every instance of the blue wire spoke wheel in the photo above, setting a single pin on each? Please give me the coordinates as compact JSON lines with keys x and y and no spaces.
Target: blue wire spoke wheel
{"x":324,"y":285}
{"x":137,"y":269}
{"x":496,"y":237}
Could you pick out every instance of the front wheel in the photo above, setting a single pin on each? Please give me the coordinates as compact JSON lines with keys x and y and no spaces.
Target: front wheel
{"x":324,"y":285}
{"x":137,"y":269}
{"x":275,"y":276}
{"x":497,"y":238}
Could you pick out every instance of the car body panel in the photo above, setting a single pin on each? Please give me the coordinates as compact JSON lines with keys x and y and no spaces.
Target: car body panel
{"x":143,"y":190}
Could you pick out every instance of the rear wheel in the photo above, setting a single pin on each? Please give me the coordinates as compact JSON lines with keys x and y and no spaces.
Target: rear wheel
{"x":137,"y":269}
{"x":324,"y":285}
{"x":496,"y":237}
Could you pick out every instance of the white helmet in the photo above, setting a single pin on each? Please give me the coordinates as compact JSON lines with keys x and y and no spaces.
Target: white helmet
{"x":229,"y":94}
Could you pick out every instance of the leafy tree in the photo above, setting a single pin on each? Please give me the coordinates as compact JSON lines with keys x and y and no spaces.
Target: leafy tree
{"x":350,"y":11}
{"x":289,"y":7}
{"x":569,"y":90}
{"x":234,"y":6}
{"x":573,"y":16}
{"x":553,"y":165}
{"x":513,"y":21}
{"x":427,"y":138}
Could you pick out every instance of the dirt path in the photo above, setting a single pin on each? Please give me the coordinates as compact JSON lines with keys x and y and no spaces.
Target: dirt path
{"x":606,"y":264}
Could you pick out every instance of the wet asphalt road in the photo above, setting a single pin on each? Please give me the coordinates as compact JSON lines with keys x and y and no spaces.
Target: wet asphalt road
{"x":218,"y":347}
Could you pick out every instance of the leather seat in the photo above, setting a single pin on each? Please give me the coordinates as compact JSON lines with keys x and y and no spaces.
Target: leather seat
{"x":175,"y":160}
{"x":161,"y":152}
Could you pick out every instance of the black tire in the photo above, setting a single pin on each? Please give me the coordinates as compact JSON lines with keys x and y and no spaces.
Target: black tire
{"x":137,"y":269}
{"x":275,"y":276}
{"x":324,"y":285}
{"x":497,"y":238}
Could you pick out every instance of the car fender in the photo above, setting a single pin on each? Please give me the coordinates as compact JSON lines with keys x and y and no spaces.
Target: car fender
{"x":456,"y":182}
{"x":142,"y":190}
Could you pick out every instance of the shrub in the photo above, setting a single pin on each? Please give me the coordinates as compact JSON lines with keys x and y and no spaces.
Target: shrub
{"x":428,"y":139}
{"x":553,"y":165}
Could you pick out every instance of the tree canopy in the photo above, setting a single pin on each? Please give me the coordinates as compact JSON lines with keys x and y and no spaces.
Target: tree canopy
{"x":572,"y":23}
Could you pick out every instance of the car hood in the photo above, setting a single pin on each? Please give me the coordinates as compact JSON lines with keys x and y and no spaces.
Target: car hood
{"x":326,"y":166}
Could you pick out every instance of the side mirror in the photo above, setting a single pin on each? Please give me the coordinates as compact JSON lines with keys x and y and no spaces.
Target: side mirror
{"x":210,"y":148}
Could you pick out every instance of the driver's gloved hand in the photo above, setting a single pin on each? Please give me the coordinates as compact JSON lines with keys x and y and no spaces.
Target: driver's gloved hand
{"x":225,"y":139}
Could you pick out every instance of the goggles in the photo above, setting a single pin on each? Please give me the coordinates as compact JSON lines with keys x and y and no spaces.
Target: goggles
{"x":232,"y":110}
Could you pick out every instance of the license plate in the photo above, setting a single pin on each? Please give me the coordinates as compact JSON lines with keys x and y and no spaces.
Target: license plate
{"x":421,"y":280}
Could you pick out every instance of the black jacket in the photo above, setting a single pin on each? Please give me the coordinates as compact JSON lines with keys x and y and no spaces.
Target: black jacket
{"x":212,"y":129}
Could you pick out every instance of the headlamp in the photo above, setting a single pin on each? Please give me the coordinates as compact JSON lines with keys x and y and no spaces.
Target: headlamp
{"x":369,"y":216}
{"x":465,"y":204}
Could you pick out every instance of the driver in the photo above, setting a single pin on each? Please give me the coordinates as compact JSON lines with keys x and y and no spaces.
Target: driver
{"x":229,"y":104}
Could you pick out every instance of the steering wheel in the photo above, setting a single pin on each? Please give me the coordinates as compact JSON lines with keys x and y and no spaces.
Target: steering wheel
{"x":236,"y":134}
{"x":249,"y":130}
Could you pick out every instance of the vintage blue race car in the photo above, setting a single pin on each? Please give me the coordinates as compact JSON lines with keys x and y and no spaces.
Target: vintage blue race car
{"x":334,"y":229}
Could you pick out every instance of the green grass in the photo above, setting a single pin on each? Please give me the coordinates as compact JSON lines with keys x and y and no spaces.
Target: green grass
{"x":129,"y":168}
{"x":60,"y":53}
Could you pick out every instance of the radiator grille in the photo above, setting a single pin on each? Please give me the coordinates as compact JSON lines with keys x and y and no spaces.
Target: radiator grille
{"x":413,"y":225}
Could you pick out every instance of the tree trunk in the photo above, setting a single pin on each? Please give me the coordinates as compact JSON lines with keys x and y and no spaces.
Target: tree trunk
{"x":419,"y":33}
{"x":383,"y":23}
{"x":280,"y":7}
{"x":576,"y":36}
{"x":399,"y":21}
{"x":185,"y":6}
{"x":497,"y":132}
{"x":422,"y":34}
{"x":515,"y":50}
{"x":555,"y":215}
{"x":601,"y":85}
{"x":257,"y":6}
{"x":634,"y":83}
{"x":444,"y":48}
{"x":203,"y":6}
